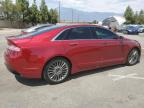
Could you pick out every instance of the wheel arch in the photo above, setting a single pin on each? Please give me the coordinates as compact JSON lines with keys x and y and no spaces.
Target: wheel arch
{"x":139,"y":50}
{"x":135,"y":47}
{"x":59,"y":56}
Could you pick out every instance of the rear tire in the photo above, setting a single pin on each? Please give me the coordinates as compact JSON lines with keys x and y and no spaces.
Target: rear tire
{"x":57,"y":70}
{"x":133,"y":57}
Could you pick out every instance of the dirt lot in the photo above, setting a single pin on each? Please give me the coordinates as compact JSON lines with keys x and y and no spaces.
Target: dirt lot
{"x":113,"y":87}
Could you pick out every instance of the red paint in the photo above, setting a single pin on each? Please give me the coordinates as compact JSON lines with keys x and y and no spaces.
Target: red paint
{"x":36,"y":51}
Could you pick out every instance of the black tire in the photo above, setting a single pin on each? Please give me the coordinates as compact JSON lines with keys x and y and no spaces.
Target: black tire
{"x":137,"y":33}
{"x":133,"y":59}
{"x":53,"y":73}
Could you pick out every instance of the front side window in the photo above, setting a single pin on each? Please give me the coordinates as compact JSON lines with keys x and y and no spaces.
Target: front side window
{"x":80,"y":33}
{"x":101,"y":33}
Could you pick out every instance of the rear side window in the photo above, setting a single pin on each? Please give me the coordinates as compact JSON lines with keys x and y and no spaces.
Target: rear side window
{"x":63,"y":35}
{"x":80,"y":33}
{"x":101,"y":33}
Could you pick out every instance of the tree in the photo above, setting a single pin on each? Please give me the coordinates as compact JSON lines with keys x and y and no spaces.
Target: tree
{"x":26,"y":11}
{"x":7,"y":8}
{"x":95,"y":22}
{"x":53,"y":16}
{"x":22,"y":12}
{"x":34,"y":13}
{"x":129,"y":15}
{"x":44,"y":18}
{"x":141,"y":17}
{"x":136,"y":17}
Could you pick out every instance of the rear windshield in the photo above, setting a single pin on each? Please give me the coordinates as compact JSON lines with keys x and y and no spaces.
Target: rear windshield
{"x":40,"y":31}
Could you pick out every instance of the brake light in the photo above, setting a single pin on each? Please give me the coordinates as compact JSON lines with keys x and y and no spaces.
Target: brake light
{"x":23,"y":33}
{"x":13,"y":51}
{"x":14,"y":48}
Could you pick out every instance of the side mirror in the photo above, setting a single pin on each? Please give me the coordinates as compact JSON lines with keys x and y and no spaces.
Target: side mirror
{"x":121,"y":37}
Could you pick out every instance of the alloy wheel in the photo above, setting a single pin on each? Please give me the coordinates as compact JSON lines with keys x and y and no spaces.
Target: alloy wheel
{"x":133,"y":57}
{"x":57,"y":70}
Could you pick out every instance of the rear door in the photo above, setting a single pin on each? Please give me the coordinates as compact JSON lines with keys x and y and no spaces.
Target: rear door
{"x":81,"y":48}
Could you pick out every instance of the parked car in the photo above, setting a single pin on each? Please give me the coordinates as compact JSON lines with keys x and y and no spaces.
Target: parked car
{"x":35,"y":28}
{"x":122,"y":28}
{"x":130,"y":29}
{"x":56,"y":52}
{"x":141,"y":28}
{"x":106,"y":27}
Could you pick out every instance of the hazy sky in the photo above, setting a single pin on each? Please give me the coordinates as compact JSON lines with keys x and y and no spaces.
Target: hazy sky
{"x":117,"y":6}
{"x":99,"y":5}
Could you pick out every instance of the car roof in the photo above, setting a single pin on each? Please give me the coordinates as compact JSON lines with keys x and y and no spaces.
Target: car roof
{"x":58,"y":26}
{"x":78,"y":25}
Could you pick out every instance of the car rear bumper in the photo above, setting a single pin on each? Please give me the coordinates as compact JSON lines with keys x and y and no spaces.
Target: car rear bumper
{"x":14,"y":65}
{"x":12,"y":70}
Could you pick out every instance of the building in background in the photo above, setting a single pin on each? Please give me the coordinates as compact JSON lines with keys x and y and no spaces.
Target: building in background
{"x":114,"y":22}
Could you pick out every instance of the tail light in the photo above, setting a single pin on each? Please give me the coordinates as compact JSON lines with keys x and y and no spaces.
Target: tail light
{"x":13,"y":51}
{"x":23,"y":32}
{"x":14,"y":48}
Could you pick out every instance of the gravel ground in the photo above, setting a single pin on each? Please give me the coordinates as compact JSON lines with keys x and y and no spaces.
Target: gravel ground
{"x":113,"y":87}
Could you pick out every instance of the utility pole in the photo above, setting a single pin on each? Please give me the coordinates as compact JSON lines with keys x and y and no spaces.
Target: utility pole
{"x":78,"y":18}
{"x":59,"y":11}
{"x":72,"y":15}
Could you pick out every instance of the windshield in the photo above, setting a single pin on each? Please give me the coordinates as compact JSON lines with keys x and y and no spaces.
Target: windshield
{"x":37,"y":27}
{"x":141,"y":26}
{"x":132,"y":27}
{"x":43,"y":30}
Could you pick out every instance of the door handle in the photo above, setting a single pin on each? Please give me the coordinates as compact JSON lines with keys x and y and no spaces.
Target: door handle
{"x":105,"y":43}
{"x":73,"y":44}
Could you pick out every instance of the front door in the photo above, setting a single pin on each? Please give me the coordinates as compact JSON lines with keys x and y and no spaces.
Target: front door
{"x":112,"y":46}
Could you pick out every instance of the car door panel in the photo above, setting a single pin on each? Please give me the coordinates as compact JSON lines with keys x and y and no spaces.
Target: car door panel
{"x":82,"y":49}
{"x":112,"y":52}
{"x":90,"y":55}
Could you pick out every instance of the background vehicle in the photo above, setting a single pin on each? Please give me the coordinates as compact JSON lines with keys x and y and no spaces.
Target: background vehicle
{"x":35,"y":28}
{"x":141,"y":28}
{"x":130,"y":29}
{"x":122,"y":28}
{"x":58,"y":51}
{"x":114,"y":22}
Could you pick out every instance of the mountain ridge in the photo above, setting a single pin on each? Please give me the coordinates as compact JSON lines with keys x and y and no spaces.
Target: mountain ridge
{"x":83,"y":16}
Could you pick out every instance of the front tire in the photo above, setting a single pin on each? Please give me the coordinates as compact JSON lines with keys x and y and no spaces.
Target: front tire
{"x":57,"y":70}
{"x":133,"y":57}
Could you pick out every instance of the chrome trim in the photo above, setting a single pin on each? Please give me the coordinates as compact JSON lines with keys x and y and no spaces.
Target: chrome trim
{"x":59,"y":34}
{"x":53,"y":39}
{"x":57,"y":70}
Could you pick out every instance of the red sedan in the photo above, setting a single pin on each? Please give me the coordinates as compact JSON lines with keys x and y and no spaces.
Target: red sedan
{"x":56,"y":52}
